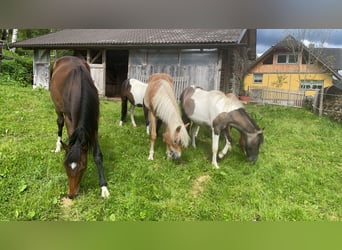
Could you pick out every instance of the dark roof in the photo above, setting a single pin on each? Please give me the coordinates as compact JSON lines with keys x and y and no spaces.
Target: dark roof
{"x":331,"y":56}
{"x":71,"y":38}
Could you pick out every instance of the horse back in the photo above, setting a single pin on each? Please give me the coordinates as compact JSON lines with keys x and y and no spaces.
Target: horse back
{"x":159,"y":85}
{"x":203,"y":106}
{"x":65,"y":85}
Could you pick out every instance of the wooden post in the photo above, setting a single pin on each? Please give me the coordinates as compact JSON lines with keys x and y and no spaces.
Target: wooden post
{"x":321,"y":101}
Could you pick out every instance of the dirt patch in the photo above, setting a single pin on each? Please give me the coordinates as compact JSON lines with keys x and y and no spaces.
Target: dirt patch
{"x":199,"y":184}
{"x":66,"y":202}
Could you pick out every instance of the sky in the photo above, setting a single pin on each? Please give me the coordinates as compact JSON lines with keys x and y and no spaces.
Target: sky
{"x":328,"y":38}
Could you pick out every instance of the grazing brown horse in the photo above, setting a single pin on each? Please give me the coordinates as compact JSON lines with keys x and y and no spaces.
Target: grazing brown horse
{"x":77,"y":104}
{"x":161,"y":104}
{"x":220,"y":112}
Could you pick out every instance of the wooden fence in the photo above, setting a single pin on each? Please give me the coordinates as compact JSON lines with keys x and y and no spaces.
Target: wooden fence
{"x":277,"y":96}
{"x":180,"y":83}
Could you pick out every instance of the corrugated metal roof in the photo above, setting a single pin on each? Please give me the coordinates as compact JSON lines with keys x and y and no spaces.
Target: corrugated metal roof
{"x":132,"y":37}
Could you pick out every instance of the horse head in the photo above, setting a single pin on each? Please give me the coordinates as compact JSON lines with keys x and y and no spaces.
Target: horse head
{"x":175,"y":142}
{"x":250,"y":143}
{"x":75,"y":164}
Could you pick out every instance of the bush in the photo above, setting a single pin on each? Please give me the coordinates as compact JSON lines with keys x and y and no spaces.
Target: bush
{"x":15,"y":69}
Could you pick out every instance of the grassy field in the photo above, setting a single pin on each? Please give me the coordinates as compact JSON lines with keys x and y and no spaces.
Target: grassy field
{"x":298,"y":176}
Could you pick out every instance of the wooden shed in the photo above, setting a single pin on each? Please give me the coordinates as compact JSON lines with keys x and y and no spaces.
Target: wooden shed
{"x":203,"y":57}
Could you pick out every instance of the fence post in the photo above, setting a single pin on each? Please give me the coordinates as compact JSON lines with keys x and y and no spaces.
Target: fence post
{"x":321,"y":101}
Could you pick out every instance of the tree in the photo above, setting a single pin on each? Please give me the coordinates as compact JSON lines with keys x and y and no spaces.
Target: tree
{"x":241,"y":63}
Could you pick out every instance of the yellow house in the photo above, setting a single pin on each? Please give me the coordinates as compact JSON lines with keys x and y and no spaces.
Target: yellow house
{"x":290,"y":65}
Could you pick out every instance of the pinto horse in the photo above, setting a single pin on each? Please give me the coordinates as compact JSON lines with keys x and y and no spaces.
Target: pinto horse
{"x":77,"y":104}
{"x":220,"y":112}
{"x":133,"y":91}
{"x":161,"y":104}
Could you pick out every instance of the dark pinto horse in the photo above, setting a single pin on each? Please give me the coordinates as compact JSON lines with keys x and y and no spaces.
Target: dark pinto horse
{"x":132,"y":91}
{"x":77,"y":104}
{"x":161,"y":103}
{"x":220,"y":112}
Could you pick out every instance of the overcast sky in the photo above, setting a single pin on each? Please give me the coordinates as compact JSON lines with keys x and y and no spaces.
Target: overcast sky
{"x":332,"y":38}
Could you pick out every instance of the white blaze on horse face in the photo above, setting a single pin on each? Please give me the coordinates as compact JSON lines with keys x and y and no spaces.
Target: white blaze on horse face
{"x":73,"y":165}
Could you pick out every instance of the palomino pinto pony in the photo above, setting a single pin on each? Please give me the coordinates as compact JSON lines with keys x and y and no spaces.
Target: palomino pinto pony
{"x":132,"y":90}
{"x":77,"y":104}
{"x":161,"y":104}
{"x":220,"y":112}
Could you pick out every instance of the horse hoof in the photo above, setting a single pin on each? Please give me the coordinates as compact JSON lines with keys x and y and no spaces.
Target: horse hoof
{"x":216,"y":166}
{"x":104,"y":192}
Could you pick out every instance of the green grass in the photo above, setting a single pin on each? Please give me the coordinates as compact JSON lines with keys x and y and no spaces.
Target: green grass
{"x":298,"y":176}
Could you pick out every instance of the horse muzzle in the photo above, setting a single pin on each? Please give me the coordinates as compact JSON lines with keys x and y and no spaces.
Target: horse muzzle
{"x":252,"y":159}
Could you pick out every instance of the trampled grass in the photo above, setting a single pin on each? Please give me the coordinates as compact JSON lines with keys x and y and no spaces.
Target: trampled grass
{"x":298,"y":176}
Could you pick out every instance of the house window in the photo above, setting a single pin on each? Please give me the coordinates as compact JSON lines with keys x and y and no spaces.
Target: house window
{"x":257,"y":78}
{"x":311,"y":84}
{"x":287,"y":58}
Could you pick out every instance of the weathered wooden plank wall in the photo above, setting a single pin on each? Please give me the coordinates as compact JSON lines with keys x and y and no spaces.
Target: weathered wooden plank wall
{"x":198,"y":67}
{"x":41,"y":69}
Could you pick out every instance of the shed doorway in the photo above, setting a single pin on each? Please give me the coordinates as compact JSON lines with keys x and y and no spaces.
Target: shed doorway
{"x":116,"y":71}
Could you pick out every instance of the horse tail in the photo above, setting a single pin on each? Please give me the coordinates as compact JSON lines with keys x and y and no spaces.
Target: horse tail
{"x":124,"y":100}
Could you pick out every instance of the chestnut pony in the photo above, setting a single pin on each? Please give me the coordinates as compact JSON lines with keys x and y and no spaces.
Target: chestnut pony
{"x":161,"y":103}
{"x":77,"y":104}
{"x":220,"y":112}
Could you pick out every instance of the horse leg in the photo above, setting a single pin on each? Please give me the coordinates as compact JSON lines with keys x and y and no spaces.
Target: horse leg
{"x":147,"y":122}
{"x":132,"y":115}
{"x":194,"y":132}
{"x":98,"y":158}
{"x":215,"y":138}
{"x":60,"y":124}
{"x":228,"y":145}
{"x":123,"y":110}
{"x":153,"y":124}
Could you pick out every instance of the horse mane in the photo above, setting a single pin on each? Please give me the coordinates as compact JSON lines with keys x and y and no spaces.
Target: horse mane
{"x":253,"y":124}
{"x":87,"y":105}
{"x":166,"y":108}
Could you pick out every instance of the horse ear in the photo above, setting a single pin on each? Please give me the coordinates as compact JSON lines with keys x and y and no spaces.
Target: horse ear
{"x":178,"y":129}
{"x":261,"y":131}
{"x":176,"y":134}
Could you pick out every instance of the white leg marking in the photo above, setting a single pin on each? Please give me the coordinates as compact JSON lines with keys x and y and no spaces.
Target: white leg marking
{"x":120,"y":123}
{"x":225,"y":149}
{"x":104,"y":192}
{"x":58,"y":144}
{"x":148,"y":129}
{"x":215,"y":148}
{"x":194,"y":134}
{"x":150,"y":156}
{"x":132,"y":115}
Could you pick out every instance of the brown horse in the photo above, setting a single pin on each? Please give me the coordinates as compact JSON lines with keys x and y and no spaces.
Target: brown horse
{"x":161,"y":104}
{"x":77,"y":104}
